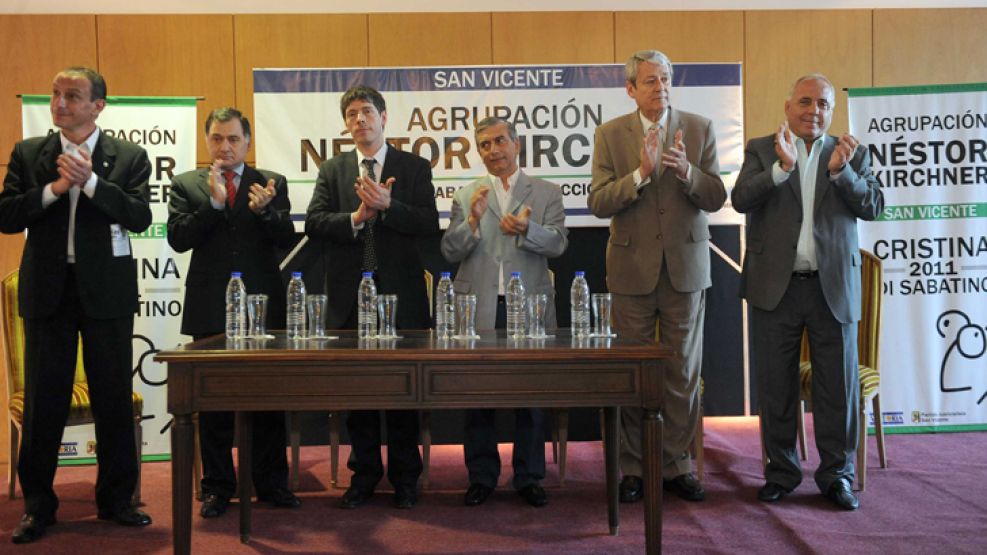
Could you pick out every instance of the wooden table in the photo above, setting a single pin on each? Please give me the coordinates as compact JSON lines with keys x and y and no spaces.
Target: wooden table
{"x":416,"y":371}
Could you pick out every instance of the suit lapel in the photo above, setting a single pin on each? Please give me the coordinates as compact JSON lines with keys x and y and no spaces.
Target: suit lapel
{"x":795,"y":182}
{"x":202,"y":182}
{"x":493,"y":204}
{"x":673,"y":126}
{"x":347,"y":177}
{"x":521,"y":192}
{"x":48,"y":159}
{"x":104,"y":156}
{"x":388,"y":170}
{"x":634,"y":135}
{"x":822,"y":174}
{"x":249,"y":177}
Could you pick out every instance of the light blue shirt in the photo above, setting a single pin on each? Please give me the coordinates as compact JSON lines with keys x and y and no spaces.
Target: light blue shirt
{"x":808,"y":166}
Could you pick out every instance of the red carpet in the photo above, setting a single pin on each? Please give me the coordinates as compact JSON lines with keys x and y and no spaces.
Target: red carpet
{"x":932,"y":499}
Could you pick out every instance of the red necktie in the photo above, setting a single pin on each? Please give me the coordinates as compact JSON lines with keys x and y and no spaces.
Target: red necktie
{"x":230,"y":188}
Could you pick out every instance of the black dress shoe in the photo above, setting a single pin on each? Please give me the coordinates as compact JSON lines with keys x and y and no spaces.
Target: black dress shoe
{"x":477,"y":494}
{"x":405,"y":498}
{"x":280,"y":497}
{"x":30,"y":528}
{"x":685,"y":486}
{"x":213,"y":505}
{"x":631,"y":489}
{"x":354,"y":497}
{"x":534,"y":495}
{"x":842,"y":496}
{"x":127,"y":517}
{"x":772,"y":492}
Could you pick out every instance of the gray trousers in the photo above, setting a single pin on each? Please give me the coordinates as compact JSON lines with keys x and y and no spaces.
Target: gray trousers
{"x":777,"y":337}
{"x":680,"y":317}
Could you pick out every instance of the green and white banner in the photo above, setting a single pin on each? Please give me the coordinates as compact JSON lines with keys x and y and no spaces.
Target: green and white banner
{"x":431,"y":111}
{"x":166,"y":128}
{"x":928,"y":146}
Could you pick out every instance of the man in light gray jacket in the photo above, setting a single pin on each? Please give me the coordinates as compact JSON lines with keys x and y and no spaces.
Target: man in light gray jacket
{"x":504,"y":222}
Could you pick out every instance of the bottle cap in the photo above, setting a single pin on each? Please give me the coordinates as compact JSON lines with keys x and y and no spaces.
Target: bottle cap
{"x":515,"y":274}
{"x":235,"y":274}
{"x":296,"y":275}
{"x":445,"y":274}
{"x":367,"y":275}
{"x":580,"y":273}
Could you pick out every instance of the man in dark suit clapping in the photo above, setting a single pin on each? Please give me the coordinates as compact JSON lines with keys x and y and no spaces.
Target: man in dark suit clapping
{"x":78,"y":193}
{"x":232,"y":217}
{"x":369,"y":206}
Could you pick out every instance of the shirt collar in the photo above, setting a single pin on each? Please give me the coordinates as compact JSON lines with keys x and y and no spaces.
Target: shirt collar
{"x":646,"y":123}
{"x":817,"y":146}
{"x":90,"y":142}
{"x":378,"y":156}
{"x":511,"y":179}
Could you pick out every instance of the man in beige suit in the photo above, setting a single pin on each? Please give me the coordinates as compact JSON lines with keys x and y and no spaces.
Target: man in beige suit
{"x":655,"y":175}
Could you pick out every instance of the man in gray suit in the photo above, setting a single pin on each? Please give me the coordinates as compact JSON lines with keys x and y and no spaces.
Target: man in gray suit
{"x":804,"y":191}
{"x":515,"y":229}
{"x":658,"y":252}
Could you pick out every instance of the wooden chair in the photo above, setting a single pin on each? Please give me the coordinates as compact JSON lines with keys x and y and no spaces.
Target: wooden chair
{"x":80,"y":412}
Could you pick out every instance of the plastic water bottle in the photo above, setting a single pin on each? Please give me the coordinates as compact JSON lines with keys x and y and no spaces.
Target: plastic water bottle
{"x":515,"y":306}
{"x":296,"y":307}
{"x":579,"y":305}
{"x":236,"y":307}
{"x":367,"y":307}
{"x":445,"y":307}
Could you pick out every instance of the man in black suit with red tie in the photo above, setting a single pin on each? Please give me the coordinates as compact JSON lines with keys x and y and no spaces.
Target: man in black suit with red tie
{"x":233,"y":217}
{"x":78,"y":193}
{"x":369,"y":207}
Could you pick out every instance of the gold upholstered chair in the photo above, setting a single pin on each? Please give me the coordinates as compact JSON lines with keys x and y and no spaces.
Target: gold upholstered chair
{"x":80,"y":411}
{"x":868,"y":349}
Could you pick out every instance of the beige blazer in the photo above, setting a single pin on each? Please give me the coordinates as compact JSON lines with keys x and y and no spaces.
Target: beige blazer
{"x":666,"y":219}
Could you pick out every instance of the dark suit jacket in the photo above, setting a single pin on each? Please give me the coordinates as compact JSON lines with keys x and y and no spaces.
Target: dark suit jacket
{"x":661,"y":221}
{"x":775,"y":219}
{"x":225,"y":241}
{"x":107,"y":283}
{"x":400,"y":268}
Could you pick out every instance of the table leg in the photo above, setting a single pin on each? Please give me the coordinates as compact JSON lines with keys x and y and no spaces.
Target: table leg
{"x":611,"y":448}
{"x":245,"y":424}
{"x":181,"y":484}
{"x":651,"y":444}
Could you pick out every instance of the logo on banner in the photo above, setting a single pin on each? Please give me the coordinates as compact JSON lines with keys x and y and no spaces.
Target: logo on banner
{"x":919,"y":417}
{"x":69,"y":449}
{"x":962,"y":361}
{"x":90,"y":447}
{"x":896,"y":418}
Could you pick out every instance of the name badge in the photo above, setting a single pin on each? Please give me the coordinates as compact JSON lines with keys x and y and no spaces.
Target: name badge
{"x":120,"y":240}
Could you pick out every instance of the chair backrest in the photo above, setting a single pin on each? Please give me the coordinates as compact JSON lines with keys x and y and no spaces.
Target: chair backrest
{"x":869,"y":327}
{"x":871,"y":297}
{"x":13,"y":337}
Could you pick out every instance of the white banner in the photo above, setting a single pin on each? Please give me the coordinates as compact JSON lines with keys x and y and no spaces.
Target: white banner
{"x":929,"y":150}
{"x":166,"y":128}
{"x":431,"y":112}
